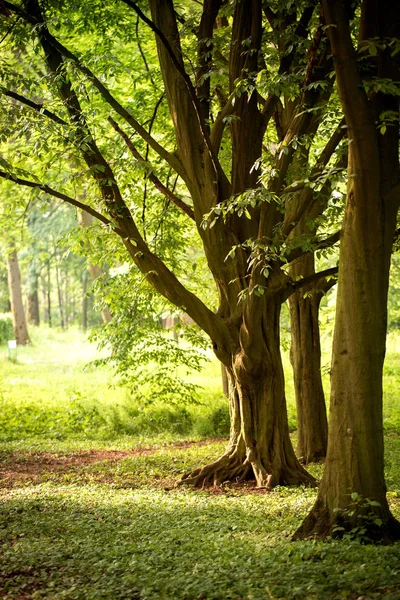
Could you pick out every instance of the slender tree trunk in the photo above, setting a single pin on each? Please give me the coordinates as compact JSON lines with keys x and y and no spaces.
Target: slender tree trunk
{"x":17,"y":307}
{"x":60,"y":298}
{"x":225,"y":381}
{"x":84,"y":301}
{"x":305,"y":355}
{"x":48,"y":294}
{"x":32,"y":308}
{"x":259,"y":447}
{"x":32,"y":296}
{"x":85,"y":220}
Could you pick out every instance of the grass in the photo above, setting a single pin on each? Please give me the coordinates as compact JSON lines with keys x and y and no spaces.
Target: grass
{"x":89,"y":508}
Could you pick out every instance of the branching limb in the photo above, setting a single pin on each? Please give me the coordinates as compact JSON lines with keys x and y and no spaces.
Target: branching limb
{"x":61,"y":196}
{"x":172,"y":160}
{"x":153,"y":178}
{"x":327,"y":242}
{"x":307,"y":199}
{"x":306,"y":281}
{"x":178,"y":64}
{"x":38,"y":107}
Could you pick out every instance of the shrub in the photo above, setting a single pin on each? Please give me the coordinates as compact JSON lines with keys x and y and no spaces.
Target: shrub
{"x":6,"y":329}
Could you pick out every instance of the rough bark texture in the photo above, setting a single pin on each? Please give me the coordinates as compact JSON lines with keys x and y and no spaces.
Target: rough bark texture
{"x":17,"y":307}
{"x":354,"y":461}
{"x":305,"y":355}
{"x":259,"y":447}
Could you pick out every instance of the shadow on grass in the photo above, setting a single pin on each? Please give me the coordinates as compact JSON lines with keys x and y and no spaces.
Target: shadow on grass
{"x":96,"y":542}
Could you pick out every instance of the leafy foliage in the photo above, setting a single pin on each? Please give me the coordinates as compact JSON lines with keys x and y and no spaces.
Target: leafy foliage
{"x":6,"y":329}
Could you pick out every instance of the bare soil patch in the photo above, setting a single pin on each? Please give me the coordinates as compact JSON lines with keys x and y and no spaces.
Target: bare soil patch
{"x":23,"y":468}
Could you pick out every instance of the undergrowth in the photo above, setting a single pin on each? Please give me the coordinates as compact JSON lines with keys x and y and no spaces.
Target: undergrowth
{"x":90,"y":509}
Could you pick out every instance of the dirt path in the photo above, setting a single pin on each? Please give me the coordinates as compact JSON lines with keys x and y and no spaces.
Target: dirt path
{"x":32,"y":467}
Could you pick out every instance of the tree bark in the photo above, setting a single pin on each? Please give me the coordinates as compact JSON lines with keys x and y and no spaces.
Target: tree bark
{"x":17,"y":307}
{"x":305,"y":356}
{"x":354,"y":463}
{"x":259,"y":446}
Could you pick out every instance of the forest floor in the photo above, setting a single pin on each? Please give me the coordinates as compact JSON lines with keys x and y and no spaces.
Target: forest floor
{"x":96,"y":514}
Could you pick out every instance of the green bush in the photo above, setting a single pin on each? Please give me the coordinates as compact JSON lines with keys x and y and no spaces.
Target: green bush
{"x":6,"y":329}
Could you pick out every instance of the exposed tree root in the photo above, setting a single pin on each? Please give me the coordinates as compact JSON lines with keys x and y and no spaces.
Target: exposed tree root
{"x":235,"y":467}
{"x":320,"y":524}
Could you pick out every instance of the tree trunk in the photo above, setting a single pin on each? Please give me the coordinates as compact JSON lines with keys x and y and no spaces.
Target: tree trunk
{"x":48,"y":294}
{"x":32,"y":308}
{"x":32,"y":297}
{"x":305,"y":355}
{"x":60,"y":297}
{"x":225,"y":381}
{"x":352,"y":495}
{"x":85,"y":220}
{"x":259,"y":447}
{"x":17,"y":307}
{"x":84,"y":301}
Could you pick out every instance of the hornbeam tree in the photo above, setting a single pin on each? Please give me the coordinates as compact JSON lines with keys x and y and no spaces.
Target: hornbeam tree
{"x":225,"y":66}
{"x":352,"y":495}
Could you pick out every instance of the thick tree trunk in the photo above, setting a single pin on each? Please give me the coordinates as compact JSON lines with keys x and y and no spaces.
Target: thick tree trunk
{"x":354,"y":472}
{"x":305,"y":355}
{"x":259,"y":447}
{"x":17,"y":307}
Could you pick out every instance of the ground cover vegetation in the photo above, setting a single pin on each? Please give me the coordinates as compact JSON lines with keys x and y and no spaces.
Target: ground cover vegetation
{"x":88,"y":516}
{"x":215,"y":145}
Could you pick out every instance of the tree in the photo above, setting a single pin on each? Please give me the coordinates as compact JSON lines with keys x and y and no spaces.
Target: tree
{"x":353,"y":493}
{"x":17,"y":307}
{"x":221,"y":122}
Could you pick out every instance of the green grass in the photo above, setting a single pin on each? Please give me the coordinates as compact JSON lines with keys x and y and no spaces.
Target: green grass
{"x":89,"y":509}
{"x":108,"y":532}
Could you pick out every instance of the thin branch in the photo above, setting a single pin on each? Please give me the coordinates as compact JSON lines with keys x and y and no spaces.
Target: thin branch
{"x":153,"y":178}
{"x":61,"y":196}
{"x":38,"y":107}
{"x":142,"y":54}
{"x":327,"y":242}
{"x":172,"y":160}
{"x":269,"y":13}
{"x":295,"y":285}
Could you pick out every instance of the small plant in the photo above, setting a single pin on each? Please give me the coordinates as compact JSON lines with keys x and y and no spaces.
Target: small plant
{"x":360,"y":520}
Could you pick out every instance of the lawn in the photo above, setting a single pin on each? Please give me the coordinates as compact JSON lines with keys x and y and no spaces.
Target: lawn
{"x":90,"y":508}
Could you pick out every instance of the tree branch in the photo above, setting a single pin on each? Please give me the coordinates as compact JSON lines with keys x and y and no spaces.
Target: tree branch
{"x":327,"y":242}
{"x":36,"y":106}
{"x":172,"y":160}
{"x":306,"y":197}
{"x":153,"y":178}
{"x":61,"y":196}
{"x":178,"y":64}
{"x":295,"y":285}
